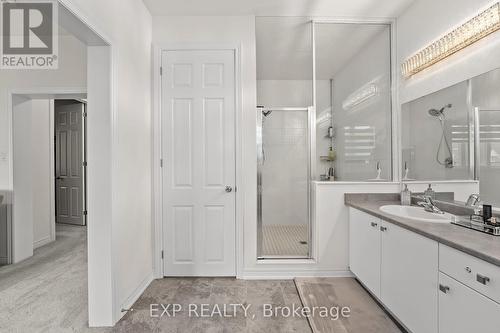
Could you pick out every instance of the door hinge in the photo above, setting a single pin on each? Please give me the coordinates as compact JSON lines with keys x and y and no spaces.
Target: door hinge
{"x":85,"y":114}
{"x":85,"y":164}
{"x":161,"y":162}
{"x":162,"y":254}
{"x":85,"y":213}
{"x":161,"y":71}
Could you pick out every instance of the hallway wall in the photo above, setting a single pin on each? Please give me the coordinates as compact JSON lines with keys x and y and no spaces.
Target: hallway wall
{"x":72,"y":73}
{"x":33,"y":178}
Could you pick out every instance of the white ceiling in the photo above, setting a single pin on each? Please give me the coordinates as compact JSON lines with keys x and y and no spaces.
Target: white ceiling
{"x":284,"y":50}
{"x":359,"y":8}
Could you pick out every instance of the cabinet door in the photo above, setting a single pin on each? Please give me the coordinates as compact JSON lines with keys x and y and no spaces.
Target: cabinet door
{"x":364,"y":252}
{"x":409,"y":278}
{"x":463,"y":310}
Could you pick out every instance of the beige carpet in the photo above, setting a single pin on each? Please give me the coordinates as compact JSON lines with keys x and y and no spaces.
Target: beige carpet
{"x":365,"y":316}
{"x":285,"y":240}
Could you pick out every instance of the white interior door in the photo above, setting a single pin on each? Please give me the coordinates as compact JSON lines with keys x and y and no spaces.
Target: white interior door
{"x":198,"y":149}
{"x":69,"y":162}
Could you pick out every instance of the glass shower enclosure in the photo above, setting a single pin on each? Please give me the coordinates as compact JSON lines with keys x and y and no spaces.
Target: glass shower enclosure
{"x":284,"y":149}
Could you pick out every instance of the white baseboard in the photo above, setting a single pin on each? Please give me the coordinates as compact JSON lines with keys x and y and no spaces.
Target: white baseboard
{"x":42,"y":242}
{"x":127,"y":304}
{"x":273,"y":275}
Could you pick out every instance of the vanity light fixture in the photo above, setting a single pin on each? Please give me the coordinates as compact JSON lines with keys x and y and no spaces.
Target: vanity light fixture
{"x":359,"y":96}
{"x":480,"y":26}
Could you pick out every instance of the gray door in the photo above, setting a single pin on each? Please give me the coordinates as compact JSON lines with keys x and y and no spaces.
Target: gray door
{"x":69,"y":149}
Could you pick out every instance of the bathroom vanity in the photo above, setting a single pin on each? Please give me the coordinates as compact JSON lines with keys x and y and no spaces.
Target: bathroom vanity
{"x":433,"y":277}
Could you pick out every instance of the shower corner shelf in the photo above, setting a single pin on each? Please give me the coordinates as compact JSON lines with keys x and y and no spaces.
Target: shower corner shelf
{"x":326,"y":159}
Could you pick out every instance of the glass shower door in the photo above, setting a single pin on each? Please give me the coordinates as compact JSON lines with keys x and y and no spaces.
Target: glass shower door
{"x":284,"y":174}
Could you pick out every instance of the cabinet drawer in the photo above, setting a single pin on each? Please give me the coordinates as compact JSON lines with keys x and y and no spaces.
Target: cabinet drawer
{"x":471,"y":271}
{"x":463,"y":310}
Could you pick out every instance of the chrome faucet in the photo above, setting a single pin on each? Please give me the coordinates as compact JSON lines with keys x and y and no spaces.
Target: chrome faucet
{"x":474,"y":202}
{"x":429,"y":205}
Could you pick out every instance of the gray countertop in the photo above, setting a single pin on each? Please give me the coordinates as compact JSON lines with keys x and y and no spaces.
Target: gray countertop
{"x":480,"y":245}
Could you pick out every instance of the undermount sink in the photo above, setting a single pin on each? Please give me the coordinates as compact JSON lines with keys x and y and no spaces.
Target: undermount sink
{"x":417,"y":213}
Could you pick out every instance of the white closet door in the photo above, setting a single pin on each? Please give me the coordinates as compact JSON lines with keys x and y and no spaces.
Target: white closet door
{"x":198,"y":129}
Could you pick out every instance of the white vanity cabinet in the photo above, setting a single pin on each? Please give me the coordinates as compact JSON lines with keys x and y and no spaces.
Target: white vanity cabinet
{"x":399,"y":267}
{"x":409,"y":280}
{"x":429,"y":287}
{"x":364,"y":249}
{"x":469,"y":293}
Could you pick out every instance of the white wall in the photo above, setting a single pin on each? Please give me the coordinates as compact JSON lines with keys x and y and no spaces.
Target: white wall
{"x":22,"y":215}
{"x":284,"y":93}
{"x":42,"y":134}
{"x":72,"y":73}
{"x":127,"y":25}
{"x":32,"y":214}
{"x":426,"y":20}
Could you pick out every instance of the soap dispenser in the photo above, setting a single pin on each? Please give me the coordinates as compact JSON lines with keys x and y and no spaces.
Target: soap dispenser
{"x":406,"y":196}
{"x":430,"y":192}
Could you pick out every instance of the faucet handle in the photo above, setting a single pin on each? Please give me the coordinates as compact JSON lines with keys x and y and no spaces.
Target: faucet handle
{"x":428,"y":200}
{"x":473,"y":201}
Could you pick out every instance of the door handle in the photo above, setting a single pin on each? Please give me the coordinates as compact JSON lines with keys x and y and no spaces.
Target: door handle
{"x":60,"y":178}
{"x":383,"y":229}
{"x":374,"y":224}
{"x":444,"y":289}
{"x":482,"y":279}
{"x":229,"y":189}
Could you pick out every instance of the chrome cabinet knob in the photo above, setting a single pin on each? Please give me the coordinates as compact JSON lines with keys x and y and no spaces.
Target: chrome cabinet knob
{"x":229,"y":189}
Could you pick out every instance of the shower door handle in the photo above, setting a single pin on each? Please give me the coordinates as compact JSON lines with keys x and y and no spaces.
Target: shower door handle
{"x":229,"y":189}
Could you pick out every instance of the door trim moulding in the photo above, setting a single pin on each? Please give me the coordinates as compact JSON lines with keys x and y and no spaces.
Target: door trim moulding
{"x":157,"y":158}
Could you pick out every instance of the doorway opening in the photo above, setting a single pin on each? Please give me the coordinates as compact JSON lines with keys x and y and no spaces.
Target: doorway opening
{"x":85,"y":72}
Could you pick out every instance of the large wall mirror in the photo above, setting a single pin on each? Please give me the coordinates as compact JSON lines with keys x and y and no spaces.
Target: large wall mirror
{"x":454,"y":134}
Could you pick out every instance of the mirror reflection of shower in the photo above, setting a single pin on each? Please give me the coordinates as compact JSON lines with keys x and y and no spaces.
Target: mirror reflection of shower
{"x":441,"y":116}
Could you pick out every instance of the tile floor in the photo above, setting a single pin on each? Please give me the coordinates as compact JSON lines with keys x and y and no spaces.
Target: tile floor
{"x":215,"y":291}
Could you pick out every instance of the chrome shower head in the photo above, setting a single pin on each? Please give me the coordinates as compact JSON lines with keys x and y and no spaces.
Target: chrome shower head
{"x":439,"y":113}
{"x":435,"y":112}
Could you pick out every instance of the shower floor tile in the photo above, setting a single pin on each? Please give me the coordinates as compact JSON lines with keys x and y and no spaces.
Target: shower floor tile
{"x":285,"y":240}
